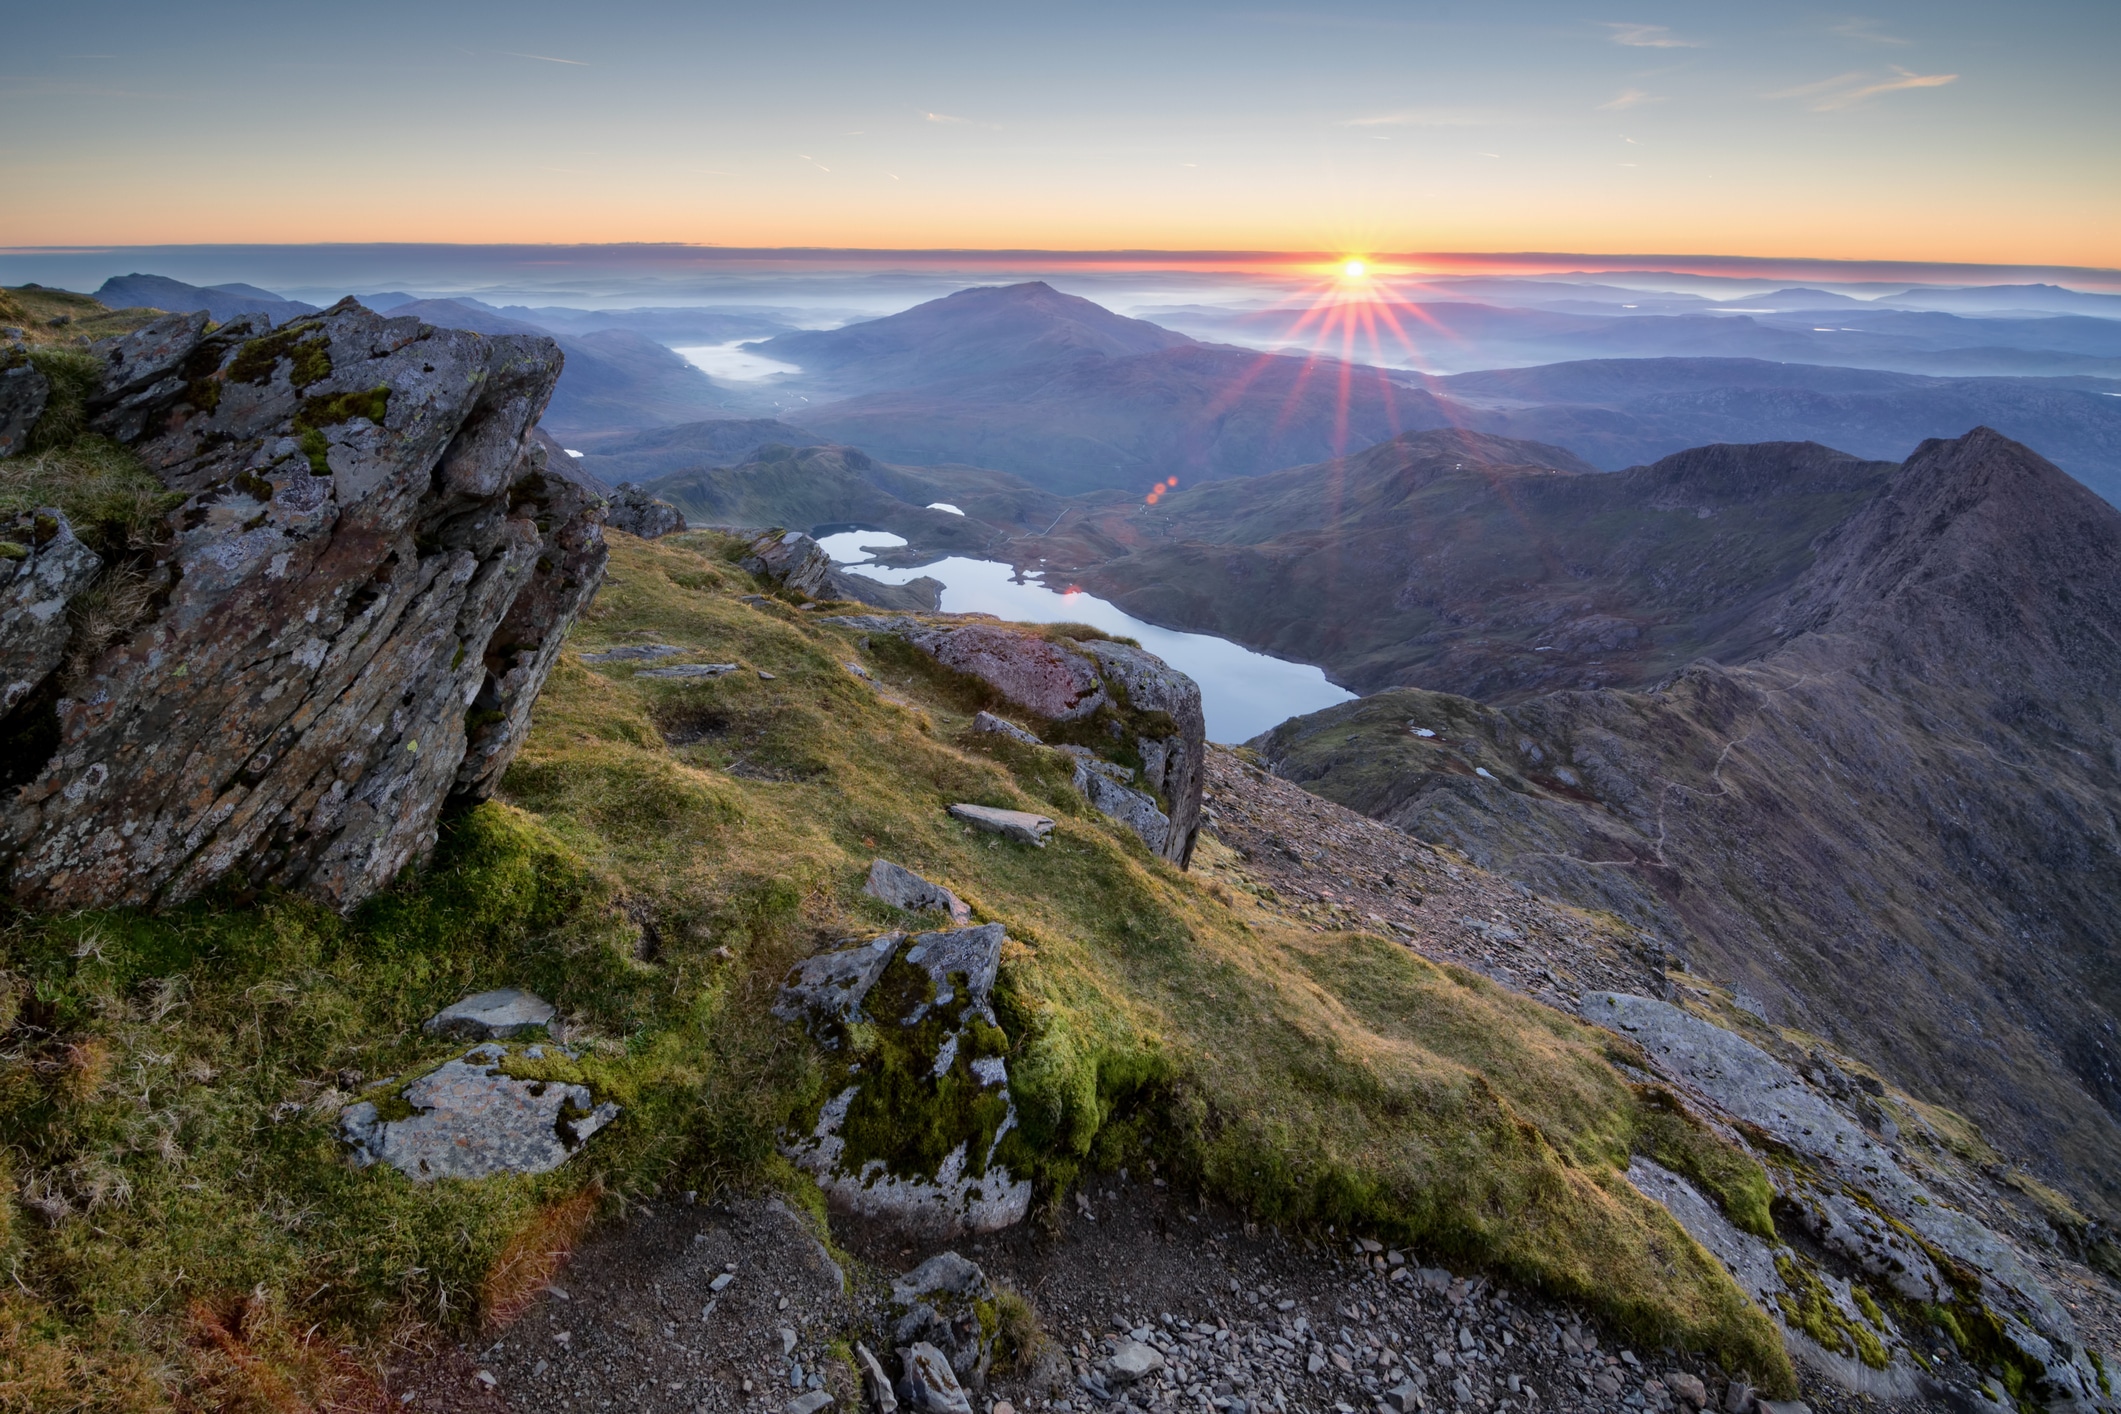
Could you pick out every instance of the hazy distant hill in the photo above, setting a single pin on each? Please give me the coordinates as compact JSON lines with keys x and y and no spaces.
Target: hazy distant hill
{"x":1478,"y":564}
{"x":1895,"y":829}
{"x":658,"y":451}
{"x":613,"y":379}
{"x":984,"y":331}
{"x":223,"y":302}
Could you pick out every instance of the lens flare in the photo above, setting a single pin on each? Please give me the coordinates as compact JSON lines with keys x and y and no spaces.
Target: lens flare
{"x":1354,"y":269}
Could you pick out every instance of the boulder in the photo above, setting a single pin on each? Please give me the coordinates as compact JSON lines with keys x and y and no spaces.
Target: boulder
{"x":371,"y":576}
{"x":1132,"y":1360}
{"x":928,"y":1383}
{"x":946,"y":1302}
{"x":918,"y":1087}
{"x":472,"y":1120}
{"x":792,"y":560}
{"x":1035,"y":673}
{"x":636,"y":512}
{"x":42,"y":567}
{"x":492,"y":1016}
{"x":23,"y":393}
{"x":1020,"y":825}
{"x":690,"y":670}
{"x":902,"y":888}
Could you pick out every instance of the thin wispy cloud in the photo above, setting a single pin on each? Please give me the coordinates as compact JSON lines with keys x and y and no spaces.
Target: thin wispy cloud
{"x":1856,"y":27}
{"x":546,"y":59}
{"x":1429,"y":118}
{"x":944,"y":118}
{"x":1628,"y":98}
{"x":1651,"y":37}
{"x":1848,"y":90}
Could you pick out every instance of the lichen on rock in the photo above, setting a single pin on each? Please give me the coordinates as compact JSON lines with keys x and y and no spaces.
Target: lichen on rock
{"x":369,"y":577}
{"x":917,"y":1080}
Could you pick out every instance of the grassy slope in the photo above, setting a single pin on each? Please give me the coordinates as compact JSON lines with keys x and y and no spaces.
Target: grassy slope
{"x":169,"y":1084}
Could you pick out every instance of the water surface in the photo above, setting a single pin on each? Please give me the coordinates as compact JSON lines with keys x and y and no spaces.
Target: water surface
{"x":1243,"y":693}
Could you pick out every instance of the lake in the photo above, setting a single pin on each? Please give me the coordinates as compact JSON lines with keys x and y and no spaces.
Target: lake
{"x":1242,"y":693}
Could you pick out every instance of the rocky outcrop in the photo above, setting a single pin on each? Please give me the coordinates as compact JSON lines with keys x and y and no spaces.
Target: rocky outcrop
{"x":369,"y":578}
{"x":1884,"y":1240}
{"x":948,"y":1303}
{"x":902,"y":888}
{"x":792,"y":560}
{"x":636,"y":512}
{"x":1133,"y":721}
{"x":918,"y":1086}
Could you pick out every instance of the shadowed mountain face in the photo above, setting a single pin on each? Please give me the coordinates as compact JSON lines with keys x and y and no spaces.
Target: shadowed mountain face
{"x":988,"y":330}
{"x":1477,"y":564}
{"x":1896,"y":828}
{"x":614,"y":379}
{"x":644,"y":456}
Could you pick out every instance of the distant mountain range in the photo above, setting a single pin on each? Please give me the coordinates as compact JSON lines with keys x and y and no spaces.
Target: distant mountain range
{"x":1888,"y":815}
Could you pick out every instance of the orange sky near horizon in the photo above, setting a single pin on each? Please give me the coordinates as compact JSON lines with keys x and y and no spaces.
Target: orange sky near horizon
{"x":1943,"y":131}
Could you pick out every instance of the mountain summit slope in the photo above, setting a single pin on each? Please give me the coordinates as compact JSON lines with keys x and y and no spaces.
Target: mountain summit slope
{"x":1896,"y":830}
{"x":985,"y":330}
{"x":1479,"y":564}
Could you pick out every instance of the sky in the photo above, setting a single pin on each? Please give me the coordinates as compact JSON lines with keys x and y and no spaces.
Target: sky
{"x":1938,"y":131}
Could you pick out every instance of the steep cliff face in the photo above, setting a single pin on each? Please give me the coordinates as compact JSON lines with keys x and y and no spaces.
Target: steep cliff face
{"x":367,"y":580}
{"x":1896,"y":830}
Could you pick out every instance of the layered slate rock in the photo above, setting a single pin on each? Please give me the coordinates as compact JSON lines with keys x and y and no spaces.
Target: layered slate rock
{"x":43,"y":566}
{"x":23,"y":394}
{"x":1881,"y":1229}
{"x":1108,"y":701}
{"x":492,"y":1016}
{"x":368,"y":581}
{"x":919,"y":1107}
{"x":471,"y":1119}
{"x":902,"y":888}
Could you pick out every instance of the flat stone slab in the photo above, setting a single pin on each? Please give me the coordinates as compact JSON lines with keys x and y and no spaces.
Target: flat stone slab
{"x":689,"y":670}
{"x":1012,"y":824}
{"x":634,"y":653}
{"x":470,"y":1120}
{"x":834,"y":983}
{"x":902,"y":888}
{"x":492,"y":1016}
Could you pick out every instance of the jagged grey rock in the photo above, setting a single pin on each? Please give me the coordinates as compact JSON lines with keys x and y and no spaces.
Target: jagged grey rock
{"x":928,"y":1383}
{"x":874,"y":1380}
{"x":902,"y":888}
{"x":369,"y":581}
{"x":1019,"y":825}
{"x":1132,"y":1360}
{"x":938,"y":1303}
{"x":833,"y":984}
{"x":636,"y":512}
{"x":791,"y":559}
{"x":1744,"y":1082}
{"x":23,"y":394}
{"x":1132,"y":808}
{"x":499,"y":1015}
{"x":43,"y":566}
{"x":1000,"y":726}
{"x":471,"y":1120}
{"x":967,"y":1190}
{"x":810,"y":1403}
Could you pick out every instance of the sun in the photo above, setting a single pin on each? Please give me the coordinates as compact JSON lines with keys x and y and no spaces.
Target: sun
{"x":1354,"y":269}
